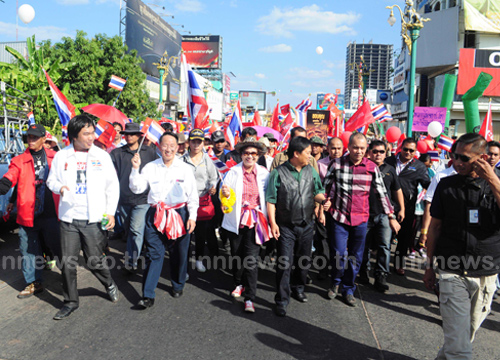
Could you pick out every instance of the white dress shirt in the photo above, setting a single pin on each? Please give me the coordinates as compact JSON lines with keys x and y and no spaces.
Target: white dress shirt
{"x":172,"y":185}
{"x":435,"y":181}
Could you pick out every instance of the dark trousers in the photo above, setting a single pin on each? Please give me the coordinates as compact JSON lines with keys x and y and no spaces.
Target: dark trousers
{"x":294,"y":248}
{"x":405,"y":238}
{"x":156,"y":243}
{"x":321,"y":243}
{"x":378,"y":234}
{"x":244,"y":260}
{"x":205,"y":233}
{"x":89,"y":237}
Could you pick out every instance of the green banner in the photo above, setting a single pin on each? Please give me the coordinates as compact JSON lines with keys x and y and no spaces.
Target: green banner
{"x":482,"y":15}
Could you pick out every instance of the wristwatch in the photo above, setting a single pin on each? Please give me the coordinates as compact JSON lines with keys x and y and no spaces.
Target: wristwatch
{"x":392,"y":216}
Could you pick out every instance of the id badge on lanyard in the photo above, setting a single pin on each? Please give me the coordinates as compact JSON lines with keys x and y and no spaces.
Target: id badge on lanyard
{"x":473,"y":216}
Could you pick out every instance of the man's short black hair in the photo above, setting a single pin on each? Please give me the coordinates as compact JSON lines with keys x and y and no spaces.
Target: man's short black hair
{"x":76,"y":125}
{"x":167,"y":127}
{"x":298,"y":144}
{"x":248,"y":131}
{"x":478,"y":142}
{"x":166,"y":133}
{"x":119,"y":124}
{"x":424,"y":157}
{"x":377,"y":143}
{"x":408,"y":141}
{"x":330,"y":141}
{"x":295,"y":130}
{"x":492,"y":144}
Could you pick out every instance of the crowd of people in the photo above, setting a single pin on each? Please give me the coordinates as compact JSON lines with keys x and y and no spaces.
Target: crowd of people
{"x":339,"y":205}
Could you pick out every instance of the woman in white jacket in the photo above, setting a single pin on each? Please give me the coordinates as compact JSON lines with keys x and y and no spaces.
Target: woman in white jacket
{"x":246,"y":224}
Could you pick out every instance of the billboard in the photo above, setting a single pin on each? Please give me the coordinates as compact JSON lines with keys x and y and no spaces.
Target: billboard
{"x":482,"y":16}
{"x":317,"y":124}
{"x":321,"y":96}
{"x":255,"y":99}
{"x":203,"y":52}
{"x":474,"y":61}
{"x":151,"y":36}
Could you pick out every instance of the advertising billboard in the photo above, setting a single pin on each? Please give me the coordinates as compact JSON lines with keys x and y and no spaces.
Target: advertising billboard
{"x":474,"y":61}
{"x":482,"y":15}
{"x":148,"y":34}
{"x":321,"y":96}
{"x":317,"y":124}
{"x":203,"y":52}
{"x":255,"y":99}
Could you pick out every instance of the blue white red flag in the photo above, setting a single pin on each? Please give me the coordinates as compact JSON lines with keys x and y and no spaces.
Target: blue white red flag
{"x":31,"y":118}
{"x":235,"y":126}
{"x":301,"y":119}
{"x":381,"y":114}
{"x":434,"y":155}
{"x":105,"y":132}
{"x":219,"y":165}
{"x":117,"y":83}
{"x":65,"y":109}
{"x":445,"y":143}
{"x":304,"y":105}
{"x":153,"y":130}
{"x":197,"y":105}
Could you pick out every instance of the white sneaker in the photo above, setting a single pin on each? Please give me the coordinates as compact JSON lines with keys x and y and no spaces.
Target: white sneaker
{"x":249,"y":306}
{"x":200,"y":267}
{"x":412,"y":255}
{"x":238,"y":291}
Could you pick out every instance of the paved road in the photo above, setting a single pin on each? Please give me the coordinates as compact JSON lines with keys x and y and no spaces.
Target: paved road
{"x":206,"y":323}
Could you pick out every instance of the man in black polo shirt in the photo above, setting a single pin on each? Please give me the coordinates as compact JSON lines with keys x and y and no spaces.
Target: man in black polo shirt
{"x":379,"y":231}
{"x":411,"y":172}
{"x":132,"y":207}
{"x":464,"y":240}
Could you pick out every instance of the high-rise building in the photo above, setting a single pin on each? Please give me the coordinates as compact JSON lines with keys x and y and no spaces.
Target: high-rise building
{"x":378,"y":60}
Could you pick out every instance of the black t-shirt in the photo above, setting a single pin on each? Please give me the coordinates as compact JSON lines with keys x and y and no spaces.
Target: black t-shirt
{"x":391,"y":183}
{"x":44,"y":202}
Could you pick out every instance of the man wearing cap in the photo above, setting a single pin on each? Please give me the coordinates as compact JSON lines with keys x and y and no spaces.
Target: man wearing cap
{"x":170,"y":220}
{"x":282,"y":157}
{"x":182,"y":144}
{"x":36,"y":206}
{"x":219,"y":143}
{"x":247,"y":132}
{"x":246,"y":224}
{"x":266,"y":160}
{"x":51,"y":142}
{"x":132,"y":207}
{"x":273,"y":143}
{"x":317,"y":146}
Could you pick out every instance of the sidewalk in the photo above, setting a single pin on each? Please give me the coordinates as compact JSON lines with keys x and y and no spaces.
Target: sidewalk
{"x":206,"y":323}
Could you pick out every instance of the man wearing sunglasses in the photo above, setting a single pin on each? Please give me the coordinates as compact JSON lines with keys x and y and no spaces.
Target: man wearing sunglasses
{"x":411,"y":172}
{"x":464,"y":242}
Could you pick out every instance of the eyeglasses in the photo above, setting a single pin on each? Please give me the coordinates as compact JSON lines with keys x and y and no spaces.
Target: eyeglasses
{"x":248,"y":153}
{"x":463,"y":158}
{"x":409,"y":150}
{"x":375,"y":152}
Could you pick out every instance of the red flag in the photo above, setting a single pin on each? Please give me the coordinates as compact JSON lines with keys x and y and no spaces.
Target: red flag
{"x":106,"y":133}
{"x":487,"y":126}
{"x":363,"y":116}
{"x":275,"y":120}
{"x":400,"y":143}
{"x":287,"y":125}
{"x":285,"y":109}
{"x":257,"y":121}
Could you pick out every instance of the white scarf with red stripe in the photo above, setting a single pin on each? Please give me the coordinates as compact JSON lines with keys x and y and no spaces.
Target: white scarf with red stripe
{"x":252,"y":216}
{"x":168,"y":221}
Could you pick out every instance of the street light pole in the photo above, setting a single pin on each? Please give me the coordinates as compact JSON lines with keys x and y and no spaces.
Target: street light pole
{"x":163,"y":66}
{"x":414,"y":34}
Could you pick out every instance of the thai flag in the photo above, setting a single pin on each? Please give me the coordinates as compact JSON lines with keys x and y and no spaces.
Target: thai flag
{"x":105,"y":132}
{"x":117,"y":83}
{"x":434,"y":155}
{"x":31,"y":118}
{"x":304,"y":105}
{"x":381,"y":114}
{"x":235,"y":126}
{"x":197,"y":105}
{"x":301,"y":119}
{"x":445,"y":143}
{"x":65,"y":109}
{"x":220,"y":165}
{"x":152,"y":130}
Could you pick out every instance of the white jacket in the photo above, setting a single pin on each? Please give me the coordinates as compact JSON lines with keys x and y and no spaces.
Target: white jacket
{"x":103,"y":188}
{"x":234,"y":179}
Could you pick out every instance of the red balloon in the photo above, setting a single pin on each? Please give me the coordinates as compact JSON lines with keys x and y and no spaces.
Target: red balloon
{"x":393,"y":134}
{"x":345,"y":138}
{"x":422,"y":147}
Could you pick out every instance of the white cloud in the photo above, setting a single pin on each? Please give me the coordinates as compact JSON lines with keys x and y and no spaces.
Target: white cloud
{"x":243,"y":84}
{"x":334,"y":65}
{"x":306,"y":73}
{"x":116,"y":2}
{"x":283,"y":22}
{"x":233,"y":3}
{"x":320,"y":84}
{"x":72,"y":2}
{"x":41,"y":32}
{"x":260,"y":76}
{"x":188,"y":5}
{"x":280,"y":48}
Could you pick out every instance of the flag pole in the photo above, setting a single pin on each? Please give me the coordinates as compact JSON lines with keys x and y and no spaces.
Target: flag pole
{"x":114,"y":103}
{"x":140,"y":145}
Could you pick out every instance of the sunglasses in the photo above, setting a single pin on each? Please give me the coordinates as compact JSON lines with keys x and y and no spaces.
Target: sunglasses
{"x":463,"y":158}
{"x":375,"y":152}
{"x":252,"y":153}
{"x":409,"y":150}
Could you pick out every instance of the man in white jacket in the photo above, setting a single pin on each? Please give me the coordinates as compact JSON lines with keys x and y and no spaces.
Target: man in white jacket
{"x":86,"y":179}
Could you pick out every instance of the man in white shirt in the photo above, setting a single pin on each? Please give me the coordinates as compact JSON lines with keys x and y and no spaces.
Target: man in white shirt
{"x":173,"y":197}
{"x":85,"y":178}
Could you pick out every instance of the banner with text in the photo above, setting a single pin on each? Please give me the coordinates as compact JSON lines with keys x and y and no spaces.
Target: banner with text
{"x":423,"y":116}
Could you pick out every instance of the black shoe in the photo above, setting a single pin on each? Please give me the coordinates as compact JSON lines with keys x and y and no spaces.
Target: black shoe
{"x":363,"y":278}
{"x":112,"y":291}
{"x":146,"y":303}
{"x":300,"y":297}
{"x":381,"y":283}
{"x":333,"y":292}
{"x":177,"y":294}
{"x":64,"y":312}
{"x":350,"y":300}
{"x":309,"y":281}
{"x":280,"y":311}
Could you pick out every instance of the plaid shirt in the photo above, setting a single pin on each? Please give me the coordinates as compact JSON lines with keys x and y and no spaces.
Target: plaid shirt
{"x":348,"y":187}
{"x":250,"y":188}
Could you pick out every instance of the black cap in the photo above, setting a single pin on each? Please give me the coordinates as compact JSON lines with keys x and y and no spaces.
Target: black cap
{"x":197,"y":134}
{"x":37,"y":130}
{"x":270,"y":136}
{"x":131,"y":128}
{"x":218,"y":136}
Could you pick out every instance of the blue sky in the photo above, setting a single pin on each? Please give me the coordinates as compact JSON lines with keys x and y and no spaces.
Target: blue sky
{"x":268,"y":45}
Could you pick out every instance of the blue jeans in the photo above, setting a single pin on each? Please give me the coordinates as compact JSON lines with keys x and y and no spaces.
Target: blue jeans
{"x":378,"y":233}
{"x":133,"y":218}
{"x":156,"y":243}
{"x":346,"y":254}
{"x":30,"y":247}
